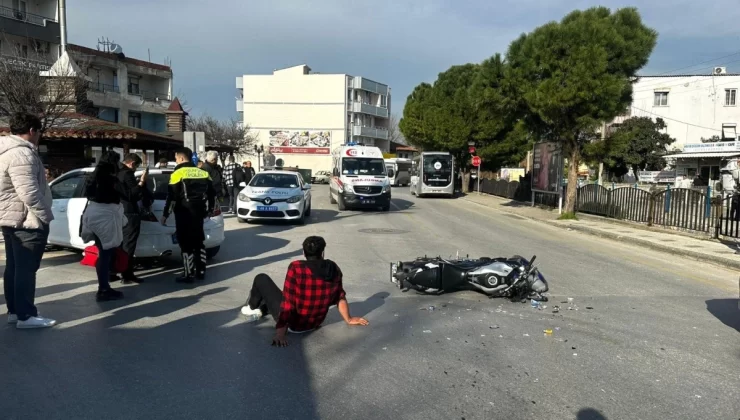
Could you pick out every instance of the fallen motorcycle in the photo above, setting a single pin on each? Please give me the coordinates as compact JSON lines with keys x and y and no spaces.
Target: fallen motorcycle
{"x":514,"y":277}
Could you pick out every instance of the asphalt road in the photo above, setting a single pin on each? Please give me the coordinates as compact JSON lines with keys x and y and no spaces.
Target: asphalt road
{"x":649,"y":336}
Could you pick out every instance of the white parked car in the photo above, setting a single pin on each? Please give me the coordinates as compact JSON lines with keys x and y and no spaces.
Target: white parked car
{"x":155,"y":239}
{"x":321,"y":177}
{"x":274,"y":195}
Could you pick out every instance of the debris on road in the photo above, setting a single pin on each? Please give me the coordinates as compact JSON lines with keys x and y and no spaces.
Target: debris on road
{"x":548,"y":332}
{"x":494,"y":327}
{"x":427,"y":331}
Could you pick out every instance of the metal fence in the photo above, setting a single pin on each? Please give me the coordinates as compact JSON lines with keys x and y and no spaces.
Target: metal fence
{"x":728,"y":217}
{"x":678,"y":208}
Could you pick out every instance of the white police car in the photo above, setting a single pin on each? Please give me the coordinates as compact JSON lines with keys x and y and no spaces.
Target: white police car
{"x":274,"y":195}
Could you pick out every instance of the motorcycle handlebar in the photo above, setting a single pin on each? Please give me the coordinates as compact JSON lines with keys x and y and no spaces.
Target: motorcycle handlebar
{"x":531,"y":262}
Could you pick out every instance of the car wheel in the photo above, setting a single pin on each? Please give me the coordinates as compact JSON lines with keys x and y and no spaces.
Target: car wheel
{"x":331,"y":198}
{"x":308,"y":211}
{"x":386,"y":208}
{"x":211,"y":252}
{"x":340,"y":203}
{"x":241,"y":220}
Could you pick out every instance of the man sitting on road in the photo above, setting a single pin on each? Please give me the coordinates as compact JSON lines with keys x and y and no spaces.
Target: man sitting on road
{"x":311,"y":287}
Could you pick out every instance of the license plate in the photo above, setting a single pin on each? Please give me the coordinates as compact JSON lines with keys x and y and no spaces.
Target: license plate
{"x":368,"y":201}
{"x":174,"y":239}
{"x":267,"y":208}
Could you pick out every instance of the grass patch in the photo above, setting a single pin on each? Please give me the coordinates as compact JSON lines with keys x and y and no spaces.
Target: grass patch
{"x":568,"y":216}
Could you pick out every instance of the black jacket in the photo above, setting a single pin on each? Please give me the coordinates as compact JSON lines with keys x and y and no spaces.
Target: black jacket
{"x":216,"y":177}
{"x":131,"y":193}
{"x":250,"y":173}
{"x":190,"y":190}
{"x":239,"y":176}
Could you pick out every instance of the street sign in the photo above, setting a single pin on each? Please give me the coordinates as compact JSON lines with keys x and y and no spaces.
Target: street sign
{"x":471,"y":149}
{"x":476,"y":160}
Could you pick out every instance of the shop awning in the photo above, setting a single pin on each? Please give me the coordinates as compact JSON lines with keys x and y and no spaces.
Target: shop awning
{"x":703,"y":155}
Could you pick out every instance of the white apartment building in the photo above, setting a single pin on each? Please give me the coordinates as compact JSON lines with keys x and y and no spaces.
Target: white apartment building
{"x":701,"y":112}
{"x":301,"y":116}
{"x":30,"y":30}
{"x":692,"y":106}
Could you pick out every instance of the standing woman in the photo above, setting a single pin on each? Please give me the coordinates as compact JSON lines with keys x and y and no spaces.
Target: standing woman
{"x":103,"y":222}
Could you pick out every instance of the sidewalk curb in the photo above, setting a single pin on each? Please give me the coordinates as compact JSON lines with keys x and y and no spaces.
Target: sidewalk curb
{"x":726,"y":262}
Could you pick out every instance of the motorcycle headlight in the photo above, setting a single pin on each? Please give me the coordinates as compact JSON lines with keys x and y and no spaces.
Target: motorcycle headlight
{"x":295,"y":199}
{"x":243,"y":197}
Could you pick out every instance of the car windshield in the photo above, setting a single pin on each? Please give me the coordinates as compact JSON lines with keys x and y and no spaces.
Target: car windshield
{"x":439,"y":165}
{"x":363,"y":166}
{"x":274,"y":181}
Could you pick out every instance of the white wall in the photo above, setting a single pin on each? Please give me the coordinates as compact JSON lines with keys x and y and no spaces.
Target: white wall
{"x":696,"y":105}
{"x":291,"y":100}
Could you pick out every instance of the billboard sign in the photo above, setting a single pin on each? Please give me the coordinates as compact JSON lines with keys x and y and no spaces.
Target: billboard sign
{"x":300,"y":142}
{"x":547,"y":168}
{"x":656,"y":177}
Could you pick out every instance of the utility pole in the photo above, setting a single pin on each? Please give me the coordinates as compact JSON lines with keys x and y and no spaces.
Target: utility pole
{"x":601,"y":164}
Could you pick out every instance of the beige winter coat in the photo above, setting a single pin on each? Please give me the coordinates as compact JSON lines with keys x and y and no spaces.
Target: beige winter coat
{"x":25,"y":197}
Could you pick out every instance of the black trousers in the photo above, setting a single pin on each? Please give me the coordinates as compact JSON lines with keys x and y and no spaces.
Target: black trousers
{"x":265,"y":295}
{"x":130,"y":236}
{"x":190,"y":237}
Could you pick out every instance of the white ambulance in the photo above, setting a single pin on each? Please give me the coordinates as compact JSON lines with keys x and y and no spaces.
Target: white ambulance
{"x":359,"y":178}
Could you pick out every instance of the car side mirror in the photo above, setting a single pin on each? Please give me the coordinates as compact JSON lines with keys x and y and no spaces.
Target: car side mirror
{"x":243,"y":184}
{"x":335,"y":172}
{"x":307,"y":186}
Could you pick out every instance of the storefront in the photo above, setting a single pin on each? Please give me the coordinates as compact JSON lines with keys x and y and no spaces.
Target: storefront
{"x":699,"y":164}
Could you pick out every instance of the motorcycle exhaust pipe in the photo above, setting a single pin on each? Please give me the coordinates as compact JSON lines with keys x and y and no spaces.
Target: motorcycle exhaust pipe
{"x":488,"y":290}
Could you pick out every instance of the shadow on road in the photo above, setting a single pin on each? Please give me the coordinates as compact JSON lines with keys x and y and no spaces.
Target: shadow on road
{"x":726,"y":310}
{"x":360,"y":309}
{"x":589,"y":414}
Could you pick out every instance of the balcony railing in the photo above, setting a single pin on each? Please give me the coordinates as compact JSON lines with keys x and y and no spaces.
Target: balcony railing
{"x":22,"y":63}
{"x":31,"y":18}
{"x":372,"y":132}
{"x":101,"y":87}
{"x":149,"y":95}
{"x":370,"y":109}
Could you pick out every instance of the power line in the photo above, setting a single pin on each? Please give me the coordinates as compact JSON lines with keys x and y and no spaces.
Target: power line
{"x":675,"y":120}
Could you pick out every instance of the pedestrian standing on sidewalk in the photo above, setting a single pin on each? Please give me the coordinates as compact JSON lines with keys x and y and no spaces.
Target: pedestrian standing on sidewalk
{"x":134,"y":192}
{"x":102,"y":222}
{"x":25,"y":215}
{"x":230,"y":184}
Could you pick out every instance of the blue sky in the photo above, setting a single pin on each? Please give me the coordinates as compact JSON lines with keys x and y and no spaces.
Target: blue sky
{"x":398,"y":42}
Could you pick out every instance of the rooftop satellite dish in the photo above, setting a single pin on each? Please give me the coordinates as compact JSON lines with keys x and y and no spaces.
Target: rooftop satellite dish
{"x":116,"y":49}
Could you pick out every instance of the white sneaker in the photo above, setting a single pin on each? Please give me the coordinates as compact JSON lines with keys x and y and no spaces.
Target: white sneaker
{"x":12,"y":318}
{"x":36,"y":322}
{"x":251,"y":314}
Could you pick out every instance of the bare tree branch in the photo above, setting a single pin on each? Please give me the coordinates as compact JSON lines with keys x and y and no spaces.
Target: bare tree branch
{"x":229,"y":132}
{"x":29,"y":83}
{"x":394,"y":134}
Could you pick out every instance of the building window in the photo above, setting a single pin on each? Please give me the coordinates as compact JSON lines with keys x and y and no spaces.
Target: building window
{"x":134,"y":119}
{"x":133,"y":85}
{"x":383,"y":101}
{"x":661,"y":99}
{"x":730,"y":97}
{"x":21,"y":50}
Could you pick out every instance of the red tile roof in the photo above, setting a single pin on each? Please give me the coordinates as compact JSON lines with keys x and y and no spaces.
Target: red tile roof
{"x":134,"y":61}
{"x":176,"y":106}
{"x":84,"y":127}
{"x":406,"y":149}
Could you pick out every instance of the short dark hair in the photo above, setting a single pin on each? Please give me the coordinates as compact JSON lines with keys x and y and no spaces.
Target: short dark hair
{"x":110,"y":156}
{"x":164,"y":160}
{"x":133,"y":157}
{"x":22,"y":123}
{"x":314,"y":246}
{"x":185,"y":152}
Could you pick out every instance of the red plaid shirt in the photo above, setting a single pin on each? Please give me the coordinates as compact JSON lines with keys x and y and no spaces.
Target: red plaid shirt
{"x":307,"y":298}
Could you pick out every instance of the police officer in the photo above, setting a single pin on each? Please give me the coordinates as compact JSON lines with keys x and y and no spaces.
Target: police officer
{"x":191,"y":197}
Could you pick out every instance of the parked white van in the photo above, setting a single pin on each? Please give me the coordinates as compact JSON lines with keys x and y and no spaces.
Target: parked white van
{"x":359,"y":178}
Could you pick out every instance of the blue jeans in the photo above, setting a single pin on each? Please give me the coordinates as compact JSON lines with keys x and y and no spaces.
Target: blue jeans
{"x":24,"y":249}
{"x":103,"y":265}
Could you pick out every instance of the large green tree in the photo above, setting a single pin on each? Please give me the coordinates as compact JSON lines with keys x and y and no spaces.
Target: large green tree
{"x":637,"y":144}
{"x":578,"y":72}
{"x":500,"y":130}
